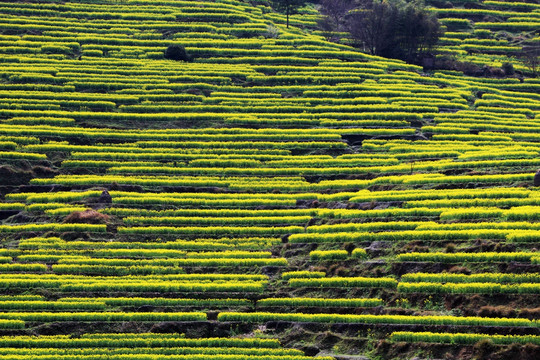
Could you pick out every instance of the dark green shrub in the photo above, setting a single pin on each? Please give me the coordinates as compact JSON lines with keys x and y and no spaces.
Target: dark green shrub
{"x":508,"y":68}
{"x":177,"y":53}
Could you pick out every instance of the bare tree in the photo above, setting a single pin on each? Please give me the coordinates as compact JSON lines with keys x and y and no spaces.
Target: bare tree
{"x":334,"y":13}
{"x":530,"y":55}
{"x":371,"y":27}
{"x":390,"y":28}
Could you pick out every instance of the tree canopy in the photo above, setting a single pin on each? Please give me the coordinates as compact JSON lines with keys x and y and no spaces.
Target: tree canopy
{"x":289,"y":7}
{"x":391,"y":28}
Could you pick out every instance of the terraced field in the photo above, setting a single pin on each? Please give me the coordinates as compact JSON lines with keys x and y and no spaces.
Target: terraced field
{"x":276,"y":198}
{"x":486,"y":32}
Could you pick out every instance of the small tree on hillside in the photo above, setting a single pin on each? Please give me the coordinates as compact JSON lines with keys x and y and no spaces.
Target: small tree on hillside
{"x":288,"y":7}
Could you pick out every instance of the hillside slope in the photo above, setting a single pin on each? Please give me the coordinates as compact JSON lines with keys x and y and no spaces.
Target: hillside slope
{"x":489,"y":33}
{"x":277,"y":197}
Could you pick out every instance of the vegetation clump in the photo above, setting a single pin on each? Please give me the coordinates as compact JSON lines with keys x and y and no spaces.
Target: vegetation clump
{"x":392,"y":28}
{"x":177,"y":52}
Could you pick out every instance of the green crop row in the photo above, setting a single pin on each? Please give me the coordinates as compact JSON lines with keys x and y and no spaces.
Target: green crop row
{"x":476,"y":278}
{"x":471,"y":203}
{"x":102,"y":316}
{"x":220,"y":203}
{"x":167,"y":253}
{"x":40,"y":305}
{"x":318,"y":255}
{"x":211,"y":230}
{"x":214,"y":168}
{"x":467,"y":257}
{"x":199,"y":244}
{"x":462,"y":338}
{"x":11,"y":324}
{"x":34,"y":268}
{"x":364,"y":227}
{"x":201,"y":162}
{"x":302,"y":274}
{"x":158,"y":301}
{"x":104,"y":270}
{"x":146,"y":353}
{"x":53,"y":227}
{"x":207,"y":213}
{"x":132,"y":340}
{"x":337,"y":254}
{"x":54,"y":280}
{"x":201,"y":221}
{"x":319,"y":302}
{"x":407,"y":235}
{"x":5,"y":155}
{"x":294,"y":183}
{"x":337,"y":282}
{"x":62,"y":259}
{"x":468,"y":288}
{"x":410,"y":195}
{"x":258,"y":317}
{"x":141,"y":285}
{"x":12,"y":206}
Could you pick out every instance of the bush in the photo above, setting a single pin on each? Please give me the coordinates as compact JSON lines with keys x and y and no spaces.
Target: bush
{"x":177,"y":53}
{"x":450,"y":63}
{"x":272,"y":32}
{"x":508,"y":68}
{"x":484,"y":348}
